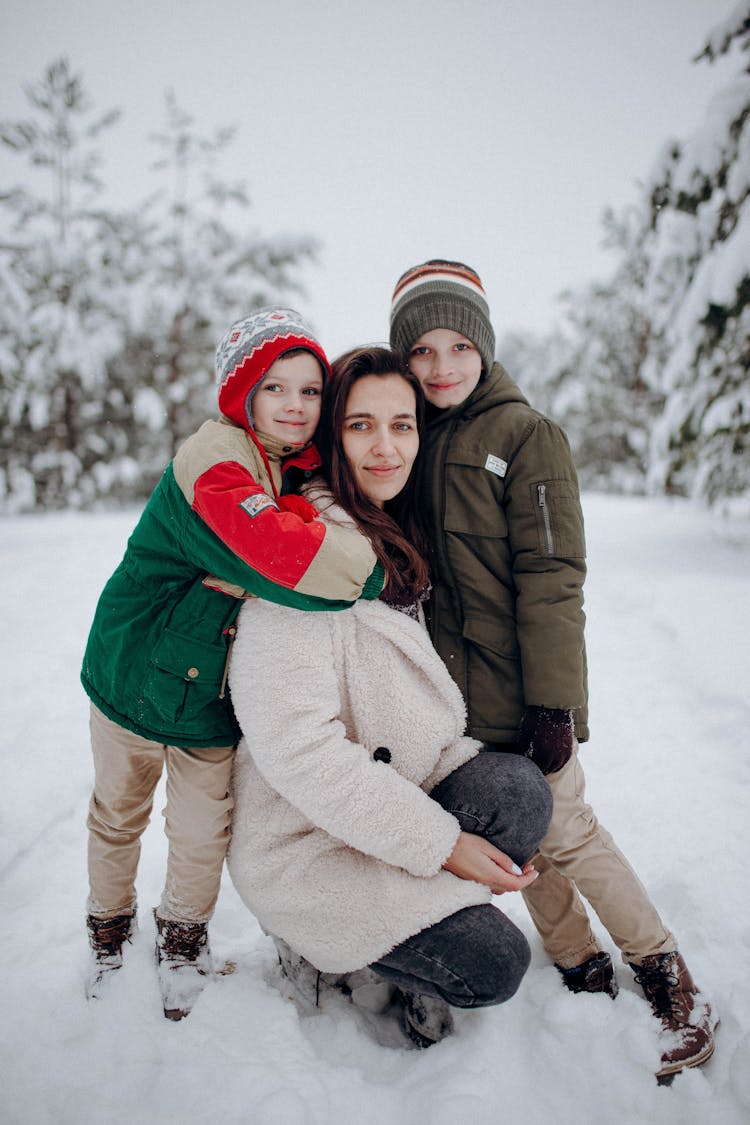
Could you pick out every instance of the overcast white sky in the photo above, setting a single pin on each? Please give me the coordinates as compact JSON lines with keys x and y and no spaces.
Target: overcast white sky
{"x":492,"y":131}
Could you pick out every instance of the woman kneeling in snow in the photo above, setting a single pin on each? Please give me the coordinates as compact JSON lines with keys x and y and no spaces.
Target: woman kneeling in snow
{"x":368,"y":830}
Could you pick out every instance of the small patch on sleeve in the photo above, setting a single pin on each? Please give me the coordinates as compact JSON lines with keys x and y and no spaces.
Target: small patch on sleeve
{"x":496,"y":465}
{"x":256,"y":504}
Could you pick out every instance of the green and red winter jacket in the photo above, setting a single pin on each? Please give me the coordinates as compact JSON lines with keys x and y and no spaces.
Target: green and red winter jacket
{"x":159,"y":644}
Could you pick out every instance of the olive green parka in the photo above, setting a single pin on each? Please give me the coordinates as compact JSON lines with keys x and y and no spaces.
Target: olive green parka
{"x":504,"y":518}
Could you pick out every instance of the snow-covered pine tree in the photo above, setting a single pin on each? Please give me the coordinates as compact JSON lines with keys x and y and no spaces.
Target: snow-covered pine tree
{"x":205,"y":268}
{"x":586,"y":373}
{"x":109,"y":321}
{"x":59,"y":325}
{"x":697,"y":288}
{"x":538,"y":362}
{"x":603,"y":398}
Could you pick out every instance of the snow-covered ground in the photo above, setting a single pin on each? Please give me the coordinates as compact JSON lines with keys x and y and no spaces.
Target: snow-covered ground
{"x":668,"y":602}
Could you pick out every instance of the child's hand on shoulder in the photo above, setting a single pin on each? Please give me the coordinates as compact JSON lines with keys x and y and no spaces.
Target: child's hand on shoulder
{"x":299,"y":506}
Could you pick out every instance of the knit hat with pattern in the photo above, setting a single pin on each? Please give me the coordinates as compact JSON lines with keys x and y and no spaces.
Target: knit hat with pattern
{"x":247,"y":351}
{"x":440,"y":294}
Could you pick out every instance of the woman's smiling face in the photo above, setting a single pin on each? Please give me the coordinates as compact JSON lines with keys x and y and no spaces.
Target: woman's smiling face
{"x":380,"y":438}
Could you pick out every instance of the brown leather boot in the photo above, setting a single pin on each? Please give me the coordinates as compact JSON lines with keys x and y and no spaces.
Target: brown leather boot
{"x":687,"y":1020}
{"x":106,"y":938}
{"x":184,"y":961}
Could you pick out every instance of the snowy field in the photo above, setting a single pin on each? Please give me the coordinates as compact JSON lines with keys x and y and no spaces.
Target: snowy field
{"x":668,"y":603}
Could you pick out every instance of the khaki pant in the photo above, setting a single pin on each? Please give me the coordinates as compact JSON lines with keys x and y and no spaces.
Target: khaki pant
{"x":578,"y":854}
{"x":127,"y":769}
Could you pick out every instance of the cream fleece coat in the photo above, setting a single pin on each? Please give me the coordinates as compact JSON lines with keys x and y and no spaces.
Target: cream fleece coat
{"x":336,"y":852}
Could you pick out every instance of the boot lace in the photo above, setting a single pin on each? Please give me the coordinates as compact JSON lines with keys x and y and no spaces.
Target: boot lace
{"x":660,"y":983}
{"x":182,"y":941}
{"x":108,"y":934}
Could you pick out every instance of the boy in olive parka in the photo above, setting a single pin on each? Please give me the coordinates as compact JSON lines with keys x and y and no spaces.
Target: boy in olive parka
{"x":506,"y":615}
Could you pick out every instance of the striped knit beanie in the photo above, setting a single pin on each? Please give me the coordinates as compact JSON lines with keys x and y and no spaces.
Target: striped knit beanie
{"x":247,"y":351}
{"x":440,"y":294}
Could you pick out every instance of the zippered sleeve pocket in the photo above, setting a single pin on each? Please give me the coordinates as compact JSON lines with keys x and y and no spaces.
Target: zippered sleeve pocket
{"x":559,"y":519}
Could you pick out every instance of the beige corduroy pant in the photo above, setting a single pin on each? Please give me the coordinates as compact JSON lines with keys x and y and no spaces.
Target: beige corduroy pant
{"x":578,"y":854}
{"x":197,"y":815}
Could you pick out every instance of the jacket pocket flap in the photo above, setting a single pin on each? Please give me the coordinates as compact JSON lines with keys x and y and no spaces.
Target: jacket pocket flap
{"x":498,"y":636}
{"x":478,"y":457}
{"x":473,"y":497}
{"x":191,"y":660}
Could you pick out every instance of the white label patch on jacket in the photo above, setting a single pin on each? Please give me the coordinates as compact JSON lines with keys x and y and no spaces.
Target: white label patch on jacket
{"x":496,"y":465}
{"x":256,"y":504}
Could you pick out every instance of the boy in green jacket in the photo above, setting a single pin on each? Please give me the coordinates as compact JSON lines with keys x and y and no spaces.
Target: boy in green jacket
{"x":506,"y":615}
{"x":156,"y":661}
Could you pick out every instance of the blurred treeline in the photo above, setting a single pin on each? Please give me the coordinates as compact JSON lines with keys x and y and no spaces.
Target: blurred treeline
{"x":109,"y":320}
{"x":648,"y":370}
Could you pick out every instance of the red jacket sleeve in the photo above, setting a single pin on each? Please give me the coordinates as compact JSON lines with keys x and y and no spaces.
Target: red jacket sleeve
{"x":280,"y":545}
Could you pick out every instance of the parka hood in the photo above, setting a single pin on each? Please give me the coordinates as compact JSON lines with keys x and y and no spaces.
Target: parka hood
{"x":494,"y":389}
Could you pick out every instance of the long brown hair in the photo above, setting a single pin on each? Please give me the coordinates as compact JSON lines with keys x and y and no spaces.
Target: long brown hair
{"x":396,"y":530}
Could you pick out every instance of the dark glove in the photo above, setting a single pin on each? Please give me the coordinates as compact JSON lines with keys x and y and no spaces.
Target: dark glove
{"x":547,"y":736}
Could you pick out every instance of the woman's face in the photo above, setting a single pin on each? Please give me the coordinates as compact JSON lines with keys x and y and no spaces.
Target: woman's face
{"x":380,"y":438}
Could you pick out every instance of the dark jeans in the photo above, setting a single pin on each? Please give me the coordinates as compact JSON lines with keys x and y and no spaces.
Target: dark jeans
{"x":477,"y":956}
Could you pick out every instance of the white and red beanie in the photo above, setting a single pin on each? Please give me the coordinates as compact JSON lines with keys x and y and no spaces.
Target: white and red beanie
{"x":249,"y":348}
{"x":441,"y":294}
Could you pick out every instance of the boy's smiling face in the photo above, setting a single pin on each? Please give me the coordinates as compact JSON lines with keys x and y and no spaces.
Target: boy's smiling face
{"x":286,"y":405}
{"x":447,"y":365}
